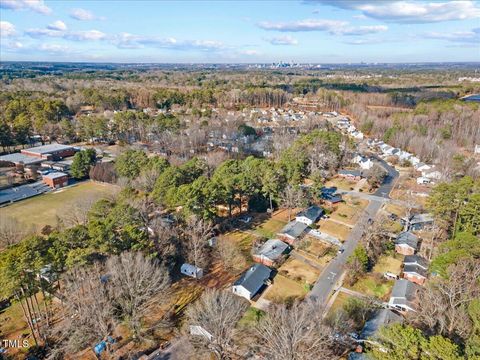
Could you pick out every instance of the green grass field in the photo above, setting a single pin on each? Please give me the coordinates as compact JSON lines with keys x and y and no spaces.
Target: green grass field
{"x":43,"y":209}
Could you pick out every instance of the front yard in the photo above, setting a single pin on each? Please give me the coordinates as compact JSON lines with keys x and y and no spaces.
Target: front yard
{"x":349,"y":211}
{"x":299,"y":271}
{"x":335,"y":229}
{"x":285,"y":290}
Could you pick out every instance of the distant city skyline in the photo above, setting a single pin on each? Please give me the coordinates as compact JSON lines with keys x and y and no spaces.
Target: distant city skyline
{"x":309,"y":31}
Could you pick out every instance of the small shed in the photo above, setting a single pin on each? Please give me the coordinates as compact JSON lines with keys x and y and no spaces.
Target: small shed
{"x":192,"y":271}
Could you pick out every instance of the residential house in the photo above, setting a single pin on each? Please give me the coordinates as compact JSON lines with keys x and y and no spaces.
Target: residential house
{"x":192,"y":271}
{"x":422,"y":167}
{"x":252,"y":281}
{"x":406,"y":243}
{"x":382,"y":317}
{"x":415,"y":269}
{"x":423,"y":180}
{"x":404,"y":295}
{"x":271,"y":252}
{"x":362,"y":161}
{"x":420,"y":221}
{"x":351,"y":174}
{"x":292,"y":231}
{"x":310,"y":215}
{"x":331,"y":199}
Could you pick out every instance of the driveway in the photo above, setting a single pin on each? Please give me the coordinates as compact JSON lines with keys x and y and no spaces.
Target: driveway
{"x":333,"y":272}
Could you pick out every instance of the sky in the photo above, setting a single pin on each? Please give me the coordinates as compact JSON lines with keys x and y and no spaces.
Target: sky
{"x":304,"y":31}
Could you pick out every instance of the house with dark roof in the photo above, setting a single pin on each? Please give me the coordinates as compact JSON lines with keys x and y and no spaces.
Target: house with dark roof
{"x":271,"y":252}
{"x":420,"y":221}
{"x":404,"y":295}
{"x":252,"y":281}
{"x":310,"y":215}
{"x":292,"y":231}
{"x":415,"y":269}
{"x":382,"y":317}
{"x":406,"y":243}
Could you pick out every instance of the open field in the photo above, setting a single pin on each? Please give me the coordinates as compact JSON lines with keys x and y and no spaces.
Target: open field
{"x":332,"y":228}
{"x":395,"y":209}
{"x":341,"y":183}
{"x":299,"y":271}
{"x":43,"y":209}
{"x":284,"y":290}
{"x":314,"y":247}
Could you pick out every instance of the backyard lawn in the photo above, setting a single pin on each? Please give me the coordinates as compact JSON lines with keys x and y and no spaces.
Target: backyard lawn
{"x":250,"y":318}
{"x":341,"y":183}
{"x":242,"y":240}
{"x":270,"y":228}
{"x":340,"y":300}
{"x":388,"y":264}
{"x":373,"y":285}
{"x":299,"y":271}
{"x":284,"y":290}
{"x":44,"y":209}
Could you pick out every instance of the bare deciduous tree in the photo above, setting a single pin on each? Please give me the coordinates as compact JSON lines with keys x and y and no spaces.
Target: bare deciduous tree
{"x":217,"y":312}
{"x":231,"y":256}
{"x":77,"y":213}
{"x":292,"y":197}
{"x":197,"y":232}
{"x":135,"y":280}
{"x":444,"y":300}
{"x":295,"y":333}
{"x":11,"y":231}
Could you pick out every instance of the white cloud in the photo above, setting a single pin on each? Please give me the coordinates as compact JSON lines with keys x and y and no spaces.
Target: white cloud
{"x":282,"y":40}
{"x":33,"y":5}
{"x":408,"y":11}
{"x":82,"y":14}
{"x":53,"y":48}
{"x":7,"y":29}
{"x":303,"y":25}
{"x":331,"y":26}
{"x":89,"y":35}
{"x":470,"y":36}
{"x":131,"y":41}
{"x":57,"y":26}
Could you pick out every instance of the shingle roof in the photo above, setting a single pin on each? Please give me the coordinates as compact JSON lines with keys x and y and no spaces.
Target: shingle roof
{"x":404,"y":289}
{"x":421,"y":218}
{"x":381,"y":318}
{"x":312,"y":213}
{"x":254,"y":278}
{"x":415,"y":269}
{"x":415,"y":260}
{"x":272,"y":249}
{"x":294,"y":229}
{"x":407,"y":238}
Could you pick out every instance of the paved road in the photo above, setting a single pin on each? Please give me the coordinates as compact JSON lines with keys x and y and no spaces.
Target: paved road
{"x":333,"y":272}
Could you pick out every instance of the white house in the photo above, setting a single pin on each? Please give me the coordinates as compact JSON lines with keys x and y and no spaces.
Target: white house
{"x":422,"y":167}
{"x":252,"y":281}
{"x":192,"y":271}
{"x":423,"y":180}
{"x":310,"y":215}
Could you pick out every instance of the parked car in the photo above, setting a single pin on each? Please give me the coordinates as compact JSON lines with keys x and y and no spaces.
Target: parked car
{"x":245,"y":219}
{"x":341,"y":250}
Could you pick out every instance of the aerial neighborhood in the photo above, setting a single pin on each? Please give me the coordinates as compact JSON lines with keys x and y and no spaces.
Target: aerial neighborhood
{"x":259,"y":211}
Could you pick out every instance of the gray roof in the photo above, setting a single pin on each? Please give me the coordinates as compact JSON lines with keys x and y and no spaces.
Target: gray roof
{"x":350,"y":172}
{"x":55,"y":175}
{"x":415,"y":260}
{"x":312,"y":213}
{"x":381,"y":318}
{"x":272,"y":249}
{"x":294,"y":229}
{"x":421,"y":218}
{"x":415,"y":269}
{"x":17,"y":158}
{"x":47,"y":149}
{"x":404,"y":289}
{"x":408,"y":238}
{"x":254,"y":278}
